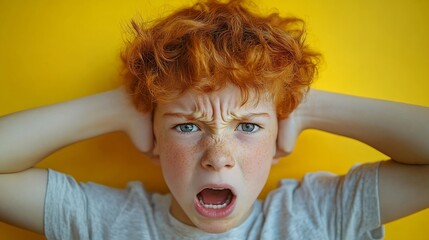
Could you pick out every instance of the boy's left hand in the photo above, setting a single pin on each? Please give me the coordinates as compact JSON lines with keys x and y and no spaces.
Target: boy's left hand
{"x":288,"y":131}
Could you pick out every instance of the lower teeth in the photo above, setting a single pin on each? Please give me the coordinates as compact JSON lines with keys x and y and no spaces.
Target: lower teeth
{"x":216,"y":206}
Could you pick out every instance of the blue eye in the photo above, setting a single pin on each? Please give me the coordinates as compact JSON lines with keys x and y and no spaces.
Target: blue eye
{"x":186,"y":128}
{"x":248,"y":127}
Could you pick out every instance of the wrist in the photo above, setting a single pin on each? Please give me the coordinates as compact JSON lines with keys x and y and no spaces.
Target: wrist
{"x":103,"y":113}
{"x":307,"y":110}
{"x":122,"y":111}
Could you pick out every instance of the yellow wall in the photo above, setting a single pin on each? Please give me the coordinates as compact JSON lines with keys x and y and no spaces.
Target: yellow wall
{"x":51,"y":51}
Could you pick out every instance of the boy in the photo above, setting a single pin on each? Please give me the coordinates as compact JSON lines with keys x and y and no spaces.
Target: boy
{"x":218,"y":88}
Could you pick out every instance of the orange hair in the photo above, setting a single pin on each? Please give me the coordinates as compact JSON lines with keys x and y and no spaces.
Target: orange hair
{"x":210,"y":44}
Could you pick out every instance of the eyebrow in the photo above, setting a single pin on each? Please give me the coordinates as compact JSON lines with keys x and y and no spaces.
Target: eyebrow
{"x":248,"y":116}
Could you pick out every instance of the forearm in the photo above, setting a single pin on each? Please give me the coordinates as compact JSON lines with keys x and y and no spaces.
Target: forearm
{"x":396,"y":129}
{"x":29,"y":136}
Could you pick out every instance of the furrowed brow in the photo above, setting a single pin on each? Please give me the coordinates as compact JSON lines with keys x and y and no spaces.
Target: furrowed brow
{"x":180,"y":115}
{"x":242,"y":117}
{"x":250,"y":116}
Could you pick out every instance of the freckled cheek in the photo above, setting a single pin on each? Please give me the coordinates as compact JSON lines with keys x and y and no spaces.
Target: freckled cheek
{"x":257,"y":161}
{"x":177,"y":162}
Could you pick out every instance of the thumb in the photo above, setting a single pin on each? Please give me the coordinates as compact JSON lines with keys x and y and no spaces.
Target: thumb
{"x":288,"y":133}
{"x":141,"y":134}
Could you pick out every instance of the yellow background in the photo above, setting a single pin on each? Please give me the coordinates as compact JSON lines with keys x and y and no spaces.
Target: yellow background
{"x":51,"y":51}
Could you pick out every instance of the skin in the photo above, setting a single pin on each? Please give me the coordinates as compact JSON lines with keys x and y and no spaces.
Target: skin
{"x":217,"y":147}
{"x":218,"y":151}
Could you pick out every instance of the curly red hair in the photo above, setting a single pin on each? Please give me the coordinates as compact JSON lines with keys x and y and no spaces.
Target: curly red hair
{"x":210,"y":44}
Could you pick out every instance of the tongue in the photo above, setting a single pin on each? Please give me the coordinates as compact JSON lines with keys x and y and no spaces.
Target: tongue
{"x":211,"y":196}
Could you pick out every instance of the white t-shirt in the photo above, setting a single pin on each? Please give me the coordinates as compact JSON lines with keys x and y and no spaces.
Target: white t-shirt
{"x":321,"y":206}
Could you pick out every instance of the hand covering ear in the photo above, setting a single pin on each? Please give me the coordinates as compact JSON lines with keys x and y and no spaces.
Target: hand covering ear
{"x":288,"y":132}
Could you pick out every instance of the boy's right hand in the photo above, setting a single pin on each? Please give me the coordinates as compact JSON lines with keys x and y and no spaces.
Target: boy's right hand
{"x":137,"y":125}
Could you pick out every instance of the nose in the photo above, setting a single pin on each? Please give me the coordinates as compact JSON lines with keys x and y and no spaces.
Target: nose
{"x":217,"y":157}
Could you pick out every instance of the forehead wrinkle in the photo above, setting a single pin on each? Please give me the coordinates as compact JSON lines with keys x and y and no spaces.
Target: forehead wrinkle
{"x":223,"y":107}
{"x":196,"y":112}
{"x":230,"y":116}
{"x":249,"y":115}
{"x":216,"y":111}
{"x":201,"y":108}
{"x":209,"y":108}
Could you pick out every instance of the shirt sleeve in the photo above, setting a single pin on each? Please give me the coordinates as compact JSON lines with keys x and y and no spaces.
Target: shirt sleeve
{"x":76,"y":210}
{"x":348,"y":203}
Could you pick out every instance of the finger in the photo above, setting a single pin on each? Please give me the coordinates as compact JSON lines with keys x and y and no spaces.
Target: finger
{"x":287,"y":134}
{"x":142,"y":135}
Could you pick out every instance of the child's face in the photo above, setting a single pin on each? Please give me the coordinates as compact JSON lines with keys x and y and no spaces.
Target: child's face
{"x":215,"y":155}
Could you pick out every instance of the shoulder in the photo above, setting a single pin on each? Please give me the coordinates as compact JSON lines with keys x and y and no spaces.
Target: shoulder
{"x":78,"y":210}
{"x":62,"y":185}
{"x":339,"y":206}
{"x":322,"y":183}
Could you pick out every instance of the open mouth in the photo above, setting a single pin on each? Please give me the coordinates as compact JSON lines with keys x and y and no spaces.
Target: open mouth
{"x":215,"y":202}
{"x":215,"y":198}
